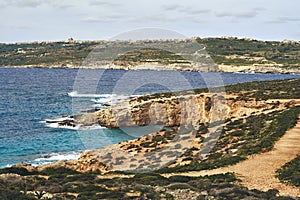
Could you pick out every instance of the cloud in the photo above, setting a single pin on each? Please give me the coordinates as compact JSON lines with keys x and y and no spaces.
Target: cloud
{"x":171,"y":7}
{"x":260,"y":9}
{"x":102,"y":3}
{"x":23,"y":3}
{"x":285,"y":19}
{"x":103,"y":19}
{"x":289,"y":19}
{"x":60,"y":4}
{"x":246,"y":14}
{"x":94,"y":20}
{"x":192,"y":11}
{"x":237,"y":15}
{"x":223,"y":14}
{"x":185,"y":9}
{"x":63,"y":7}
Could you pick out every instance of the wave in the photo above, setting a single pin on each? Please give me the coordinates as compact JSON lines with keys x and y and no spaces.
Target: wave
{"x":99,"y":106}
{"x":101,"y":101}
{"x":49,"y":158}
{"x":77,"y":127}
{"x":76,"y":94}
{"x":57,"y":125}
{"x":6,"y":166}
{"x":54,"y":157}
{"x":68,"y":123}
{"x":111,"y":99}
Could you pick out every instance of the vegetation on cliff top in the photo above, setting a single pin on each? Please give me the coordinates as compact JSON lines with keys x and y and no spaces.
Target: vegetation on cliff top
{"x":276,"y":89}
{"x":234,"y":51}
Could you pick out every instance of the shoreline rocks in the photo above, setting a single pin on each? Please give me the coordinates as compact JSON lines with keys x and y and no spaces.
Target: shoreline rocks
{"x":256,"y":68}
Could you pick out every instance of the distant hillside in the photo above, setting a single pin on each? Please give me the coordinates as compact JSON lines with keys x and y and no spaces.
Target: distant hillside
{"x":229,"y":54}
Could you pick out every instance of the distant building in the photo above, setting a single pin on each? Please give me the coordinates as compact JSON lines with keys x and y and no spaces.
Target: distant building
{"x":71,"y":40}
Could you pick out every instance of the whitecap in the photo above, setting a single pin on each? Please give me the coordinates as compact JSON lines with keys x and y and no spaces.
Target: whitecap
{"x":112,"y":99}
{"x":76,"y":94}
{"x":54,"y":123}
{"x":54,"y":157}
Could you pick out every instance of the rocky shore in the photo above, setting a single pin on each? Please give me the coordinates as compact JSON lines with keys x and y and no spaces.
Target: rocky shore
{"x":255,"y":68}
{"x":260,"y":68}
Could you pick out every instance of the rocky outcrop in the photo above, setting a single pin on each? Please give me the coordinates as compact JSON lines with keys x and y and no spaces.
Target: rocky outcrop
{"x":86,"y":163}
{"x":255,"y":68}
{"x":260,"y":68}
{"x":181,"y":110}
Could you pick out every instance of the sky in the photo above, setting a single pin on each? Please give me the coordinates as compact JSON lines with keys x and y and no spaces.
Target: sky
{"x":47,"y":20}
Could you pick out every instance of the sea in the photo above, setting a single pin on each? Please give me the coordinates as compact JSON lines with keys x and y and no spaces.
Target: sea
{"x":31,"y":96}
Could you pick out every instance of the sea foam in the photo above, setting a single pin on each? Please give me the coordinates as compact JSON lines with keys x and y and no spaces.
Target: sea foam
{"x":54,"y":157}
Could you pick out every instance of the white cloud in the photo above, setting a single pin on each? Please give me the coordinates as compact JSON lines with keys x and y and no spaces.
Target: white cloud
{"x":104,"y":19}
{"x":23,"y":3}
{"x":237,"y":15}
{"x":283,"y":20}
{"x":246,"y":14}
{"x":188,"y":10}
{"x":223,"y":14}
{"x":102,"y":3}
{"x":171,"y":7}
{"x":60,"y":4}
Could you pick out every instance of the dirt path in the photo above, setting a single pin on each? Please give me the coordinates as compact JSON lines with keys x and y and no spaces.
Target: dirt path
{"x":258,"y":172}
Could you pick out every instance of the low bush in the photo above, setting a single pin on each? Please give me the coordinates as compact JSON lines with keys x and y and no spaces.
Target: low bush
{"x":290,"y":172}
{"x":57,"y":171}
{"x":17,"y":170}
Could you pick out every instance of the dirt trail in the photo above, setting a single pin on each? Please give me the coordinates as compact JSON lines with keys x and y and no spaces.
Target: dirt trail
{"x":258,"y":172}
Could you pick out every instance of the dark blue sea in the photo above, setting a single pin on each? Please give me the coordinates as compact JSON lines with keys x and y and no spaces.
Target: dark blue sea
{"x":30,"y":96}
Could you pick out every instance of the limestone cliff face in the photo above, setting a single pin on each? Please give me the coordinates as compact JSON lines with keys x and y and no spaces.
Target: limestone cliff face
{"x":181,"y":110}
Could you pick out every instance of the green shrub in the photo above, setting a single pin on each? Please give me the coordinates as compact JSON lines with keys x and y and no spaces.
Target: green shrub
{"x":149,"y":179}
{"x":17,"y":170}
{"x":290,"y":172}
{"x":176,"y":186}
{"x":112,"y":195}
{"x":57,"y":171}
{"x":181,"y":179}
{"x":8,"y":194}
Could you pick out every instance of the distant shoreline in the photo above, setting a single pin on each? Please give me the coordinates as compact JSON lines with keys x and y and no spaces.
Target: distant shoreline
{"x":224,"y":54}
{"x":220,"y":68}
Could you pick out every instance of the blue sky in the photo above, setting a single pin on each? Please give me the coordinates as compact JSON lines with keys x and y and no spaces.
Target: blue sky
{"x":37,"y":20}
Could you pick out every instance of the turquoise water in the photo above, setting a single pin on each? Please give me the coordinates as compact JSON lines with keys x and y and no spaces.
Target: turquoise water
{"x":30,"y":96}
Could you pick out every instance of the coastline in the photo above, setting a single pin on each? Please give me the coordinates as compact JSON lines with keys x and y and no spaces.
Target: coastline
{"x":249,"y":108}
{"x":257,"y":68}
{"x":210,"y":54}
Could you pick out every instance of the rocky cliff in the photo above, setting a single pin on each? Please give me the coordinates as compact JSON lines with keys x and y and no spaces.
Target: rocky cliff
{"x":180,"y":110}
{"x":197,"y":128}
{"x":188,"y":121}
